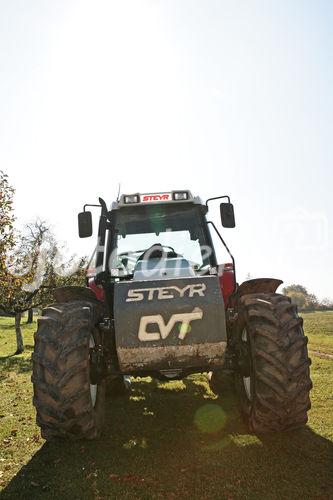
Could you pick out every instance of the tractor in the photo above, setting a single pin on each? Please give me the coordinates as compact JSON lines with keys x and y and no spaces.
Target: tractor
{"x":157,"y":303}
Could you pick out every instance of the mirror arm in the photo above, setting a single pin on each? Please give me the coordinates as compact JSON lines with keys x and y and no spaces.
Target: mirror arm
{"x":89,"y":205}
{"x":227,"y":249}
{"x":217,"y":198}
{"x":101,"y":205}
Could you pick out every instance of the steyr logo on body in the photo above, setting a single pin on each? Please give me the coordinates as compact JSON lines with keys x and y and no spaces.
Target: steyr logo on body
{"x":164,"y":329}
{"x":166,"y":292}
{"x":157,"y":197}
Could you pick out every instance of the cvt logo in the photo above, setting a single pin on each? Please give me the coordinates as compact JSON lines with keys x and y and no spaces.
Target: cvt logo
{"x":166,"y":328}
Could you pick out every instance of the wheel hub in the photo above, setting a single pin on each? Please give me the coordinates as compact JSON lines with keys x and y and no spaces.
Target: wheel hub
{"x":97,"y":363}
{"x":93,"y":382}
{"x":244,"y":363}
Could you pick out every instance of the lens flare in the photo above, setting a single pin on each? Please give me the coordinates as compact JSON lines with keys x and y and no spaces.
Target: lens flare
{"x":210,"y":418}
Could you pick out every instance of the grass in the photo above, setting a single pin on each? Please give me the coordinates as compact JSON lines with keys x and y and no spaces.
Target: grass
{"x":166,"y":440}
{"x":319,"y":328}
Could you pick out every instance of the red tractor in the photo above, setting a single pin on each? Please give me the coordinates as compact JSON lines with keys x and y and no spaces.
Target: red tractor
{"x":160,"y":305}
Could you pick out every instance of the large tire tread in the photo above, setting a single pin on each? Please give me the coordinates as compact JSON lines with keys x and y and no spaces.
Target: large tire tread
{"x":280,"y":363}
{"x":61,"y":373}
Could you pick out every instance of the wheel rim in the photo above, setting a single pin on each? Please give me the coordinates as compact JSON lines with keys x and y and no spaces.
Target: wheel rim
{"x":246,"y":380}
{"x":93,"y":387}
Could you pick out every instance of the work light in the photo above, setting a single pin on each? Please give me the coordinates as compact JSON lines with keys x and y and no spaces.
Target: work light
{"x":180,"y":195}
{"x":131,"y":198}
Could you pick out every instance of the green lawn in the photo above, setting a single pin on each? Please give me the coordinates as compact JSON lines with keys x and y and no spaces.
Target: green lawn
{"x":167,"y":440}
{"x":319,"y":328}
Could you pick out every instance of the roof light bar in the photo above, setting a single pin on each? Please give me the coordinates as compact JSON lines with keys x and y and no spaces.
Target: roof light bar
{"x":161,"y":197}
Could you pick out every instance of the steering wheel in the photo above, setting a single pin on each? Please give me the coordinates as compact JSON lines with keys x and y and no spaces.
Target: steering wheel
{"x":158,"y":250}
{"x":165,"y":246}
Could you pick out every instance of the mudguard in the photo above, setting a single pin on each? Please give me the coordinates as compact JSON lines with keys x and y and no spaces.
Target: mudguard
{"x":69,"y":293}
{"x":169,"y":324}
{"x":259,"y":285}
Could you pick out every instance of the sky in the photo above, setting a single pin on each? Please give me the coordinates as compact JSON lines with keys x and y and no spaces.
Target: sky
{"x":217,"y":97}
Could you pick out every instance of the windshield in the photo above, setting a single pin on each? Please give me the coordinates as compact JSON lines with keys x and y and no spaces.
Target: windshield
{"x":178,"y":230}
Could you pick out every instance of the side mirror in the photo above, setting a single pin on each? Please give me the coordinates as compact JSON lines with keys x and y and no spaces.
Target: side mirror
{"x":85,"y":224}
{"x":227,"y":215}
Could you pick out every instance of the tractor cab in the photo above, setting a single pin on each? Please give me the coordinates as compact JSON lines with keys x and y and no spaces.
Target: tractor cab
{"x":159,"y":236}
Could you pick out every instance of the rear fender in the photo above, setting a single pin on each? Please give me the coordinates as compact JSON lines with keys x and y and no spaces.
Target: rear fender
{"x":70,"y":293}
{"x":259,"y":285}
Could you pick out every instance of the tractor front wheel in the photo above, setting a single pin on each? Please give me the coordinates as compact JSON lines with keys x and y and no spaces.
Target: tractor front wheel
{"x":68,"y":397}
{"x":273,"y":376}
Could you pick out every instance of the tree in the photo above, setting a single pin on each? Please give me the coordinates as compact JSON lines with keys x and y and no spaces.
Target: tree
{"x":31,"y":263}
{"x":7,"y":243}
{"x":297,"y":298}
{"x":295,"y":288}
{"x":36,"y":267}
{"x":301,"y":297}
{"x":18,"y":270}
{"x":30,"y":318}
{"x":326,"y":303}
{"x":312,"y":302}
{"x":7,"y":240}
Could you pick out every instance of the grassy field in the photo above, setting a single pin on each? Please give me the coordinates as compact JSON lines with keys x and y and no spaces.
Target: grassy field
{"x":319,"y":328}
{"x":167,"y":440}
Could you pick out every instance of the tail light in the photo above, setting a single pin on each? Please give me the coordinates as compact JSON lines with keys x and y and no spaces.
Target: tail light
{"x":97,"y":289}
{"x":227,"y":281}
{"x":91,"y":271}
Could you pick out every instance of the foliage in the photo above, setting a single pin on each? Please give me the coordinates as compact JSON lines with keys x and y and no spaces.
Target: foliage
{"x":52,"y":268}
{"x":11,"y":281}
{"x":7,"y":239}
{"x":6,"y":215}
{"x":298,"y":298}
{"x":35,"y":266}
{"x":32,"y":262}
{"x":305,"y":300}
{"x":327,"y":303}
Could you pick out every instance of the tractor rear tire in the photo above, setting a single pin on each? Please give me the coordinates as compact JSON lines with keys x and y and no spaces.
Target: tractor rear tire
{"x":68,"y":405}
{"x":273,"y":377}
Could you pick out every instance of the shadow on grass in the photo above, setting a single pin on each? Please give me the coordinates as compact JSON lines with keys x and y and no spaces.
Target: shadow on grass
{"x":8,"y":326}
{"x":17,"y":363}
{"x":161,"y":443}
